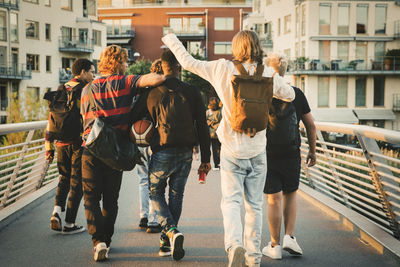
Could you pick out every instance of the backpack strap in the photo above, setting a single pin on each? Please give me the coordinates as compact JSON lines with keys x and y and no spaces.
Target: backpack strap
{"x":240,"y":68}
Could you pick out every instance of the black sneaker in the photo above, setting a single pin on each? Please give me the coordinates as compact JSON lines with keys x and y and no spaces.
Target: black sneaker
{"x":73,"y":230}
{"x":143,"y":223}
{"x":55,"y":222}
{"x":151,"y":229}
{"x":176,"y":241}
{"x":165,"y":248}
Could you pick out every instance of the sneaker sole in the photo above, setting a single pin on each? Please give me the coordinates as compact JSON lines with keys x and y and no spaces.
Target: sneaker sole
{"x":101,"y":255}
{"x":74,"y":232}
{"x":238,"y":257}
{"x":55,"y":225}
{"x":293,"y":252}
{"x":164,"y":254}
{"x":177,"y":249}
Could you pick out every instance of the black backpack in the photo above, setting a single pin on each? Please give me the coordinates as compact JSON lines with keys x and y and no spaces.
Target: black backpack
{"x":283,"y":131}
{"x":172,"y":113}
{"x":64,"y":118}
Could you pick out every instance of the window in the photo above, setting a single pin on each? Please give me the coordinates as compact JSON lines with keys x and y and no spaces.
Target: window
{"x":286,"y":52}
{"x":48,"y":31}
{"x":379,"y":51}
{"x":32,"y":62}
{"x":97,"y":37}
{"x":268,"y":2}
{"x":14,"y":27}
{"x":343,"y":18}
{"x":379,"y":91}
{"x":303,"y":20}
{"x":323,"y":91}
{"x":3,"y":97}
{"x":3,"y":26}
{"x":32,"y":29}
{"x":361,"y":54}
{"x":47,"y":3}
{"x":223,"y":24}
{"x":296,"y":50}
{"x":32,"y":1}
{"x":287,"y":23}
{"x":66,"y":33}
{"x":66,"y":5}
{"x":89,"y":8}
{"x":297,"y":18}
{"x":360,"y":91}
{"x":303,"y":48}
{"x":258,"y":28}
{"x":279,"y":27}
{"x":380,"y":18}
{"x":268,"y":29}
{"x":222,"y":48}
{"x":362,"y":18}
{"x":343,"y":51}
{"x":324,"y":51}
{"x":83,"y":36}
{"x":48,"y":63}
{"x":341,"y":92}
{"x":324,"y":19}
{"x":125,"y":25}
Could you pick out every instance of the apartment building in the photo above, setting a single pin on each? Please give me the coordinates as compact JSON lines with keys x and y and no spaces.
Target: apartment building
{"x":343,"y":54}
{"x":204,"y":27}
{"x":39,"y":40}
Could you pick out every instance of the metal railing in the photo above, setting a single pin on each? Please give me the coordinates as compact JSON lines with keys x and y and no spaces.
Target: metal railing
{"x":17,"y":72}
{"x":12,"y":4}
{"x":199,"y":31}
{"x":75,"y":44}
{"x":387,"y":65}
{"x":23,"y":168}
{"x":358,"y":166}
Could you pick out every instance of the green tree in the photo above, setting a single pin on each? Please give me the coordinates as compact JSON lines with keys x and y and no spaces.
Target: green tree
{"x":141,"y":66}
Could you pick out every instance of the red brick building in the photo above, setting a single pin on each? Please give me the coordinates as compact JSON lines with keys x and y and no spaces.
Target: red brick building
{"x":206,"y":27}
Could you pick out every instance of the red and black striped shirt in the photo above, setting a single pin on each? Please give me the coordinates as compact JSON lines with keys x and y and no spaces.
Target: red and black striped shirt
{"x":113,"y":97}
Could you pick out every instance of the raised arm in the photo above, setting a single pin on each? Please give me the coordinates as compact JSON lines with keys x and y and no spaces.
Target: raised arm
{"x":150,"y":80}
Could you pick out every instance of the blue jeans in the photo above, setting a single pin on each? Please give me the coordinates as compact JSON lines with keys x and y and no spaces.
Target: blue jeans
{"x":145,"y":208}
{"x":242,"y":183}
{"x":171,"y":164}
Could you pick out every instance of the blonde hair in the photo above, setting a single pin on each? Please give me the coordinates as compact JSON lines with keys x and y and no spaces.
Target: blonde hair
{"x":278,"y":62}
{"x":246,"y":46}
{"x":111,"y":60}
{"x":156,"y":67}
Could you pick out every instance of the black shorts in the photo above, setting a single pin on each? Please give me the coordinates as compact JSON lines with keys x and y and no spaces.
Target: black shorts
{"x":283,"y":174}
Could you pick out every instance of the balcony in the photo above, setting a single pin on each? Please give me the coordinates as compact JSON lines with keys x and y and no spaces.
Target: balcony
{"x":372,"y":66}
{"x":75,"y":45}
{"x":12,"y":4}
{"x":18,"y":72}
{"x":396,"y":102}
{"x":65,"y":75}
{"x":120,"y":38}
{"x":267,"y":42}
{"x":191,"y":33}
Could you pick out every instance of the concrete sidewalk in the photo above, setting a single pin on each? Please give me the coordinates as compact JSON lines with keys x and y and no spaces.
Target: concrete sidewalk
{"x":29,"y":241}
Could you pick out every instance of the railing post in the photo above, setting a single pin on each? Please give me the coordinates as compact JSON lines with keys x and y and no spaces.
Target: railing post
{"x":344,"y":195}
{"x":369,"y":145}
{"x":17,"y":168}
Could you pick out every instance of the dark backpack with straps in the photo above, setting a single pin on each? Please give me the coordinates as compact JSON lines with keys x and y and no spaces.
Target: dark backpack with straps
{"x":252,"y":96}
{"x":64,"y":118}
{"x":283,"y":131}
{"x":172,"y":114}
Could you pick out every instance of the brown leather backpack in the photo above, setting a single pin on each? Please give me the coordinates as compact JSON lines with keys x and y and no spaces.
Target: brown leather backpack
{"x":252,"y":97}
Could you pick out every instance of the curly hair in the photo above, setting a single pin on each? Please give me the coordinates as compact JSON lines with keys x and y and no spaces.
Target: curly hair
{"x":81,"y":64}
{"x":156,"y":67}
{"x":246,"y":46}
{"x":111,"y":60}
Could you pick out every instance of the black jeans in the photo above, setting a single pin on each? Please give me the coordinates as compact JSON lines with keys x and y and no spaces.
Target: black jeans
{"x":100,"y":181}
{"x":70,"y":180}
{"x":216,"y":149}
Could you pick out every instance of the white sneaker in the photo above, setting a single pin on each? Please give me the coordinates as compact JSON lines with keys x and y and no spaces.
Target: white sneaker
{"x":291,"y":246}
{"x":100,"y":252}
{"x":273,"y":252}
{"x":108,"y":251}
{"x":236,"y":256}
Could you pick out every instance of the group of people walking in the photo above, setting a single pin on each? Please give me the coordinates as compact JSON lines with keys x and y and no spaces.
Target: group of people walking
{"x":241,"y":157}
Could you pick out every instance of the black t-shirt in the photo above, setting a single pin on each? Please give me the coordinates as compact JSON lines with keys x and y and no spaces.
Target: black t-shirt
{"x":301,"y":104}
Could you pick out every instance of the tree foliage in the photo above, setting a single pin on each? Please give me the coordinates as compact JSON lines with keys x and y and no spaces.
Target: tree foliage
{"x":141,"y":66}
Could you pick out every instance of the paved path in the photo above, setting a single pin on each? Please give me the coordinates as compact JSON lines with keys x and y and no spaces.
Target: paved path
{"x":325,"y":242}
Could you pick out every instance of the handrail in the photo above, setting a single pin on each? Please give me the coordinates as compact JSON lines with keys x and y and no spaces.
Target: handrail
{"x":352,"y":169}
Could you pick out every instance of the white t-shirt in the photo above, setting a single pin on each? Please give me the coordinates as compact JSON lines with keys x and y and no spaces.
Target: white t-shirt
{"x":219,"y":73}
